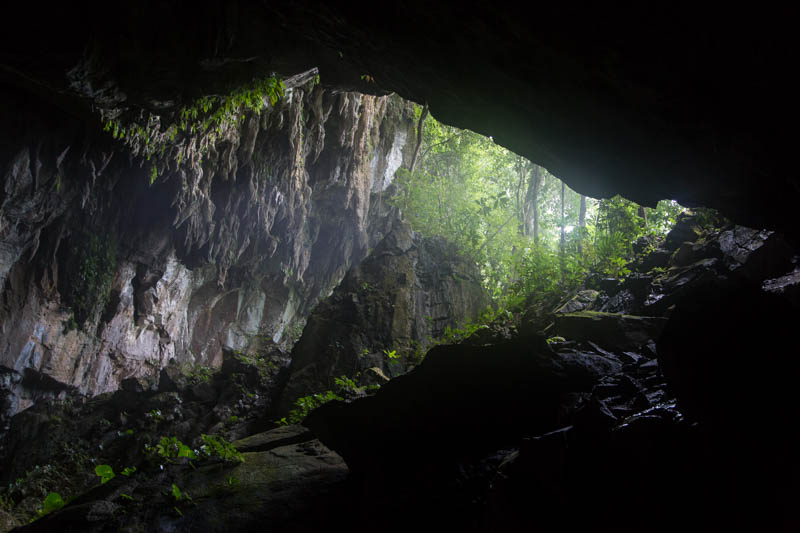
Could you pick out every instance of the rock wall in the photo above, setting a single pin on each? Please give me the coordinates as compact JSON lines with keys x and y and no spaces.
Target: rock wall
{"x":397,"y":300}
{"x":111,"y":265}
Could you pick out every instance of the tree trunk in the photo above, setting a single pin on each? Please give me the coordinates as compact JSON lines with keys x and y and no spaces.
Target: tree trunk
{"x":418,"y":147}
{"x":531,"y":204}
{"x":520,"y":207}
{"x":563,"y":242}
{"x":582,"y":222}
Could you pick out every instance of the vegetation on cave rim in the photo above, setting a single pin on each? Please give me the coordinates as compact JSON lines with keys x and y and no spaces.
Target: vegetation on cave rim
{"x":93,"y":262}
{"x":208,"y":117}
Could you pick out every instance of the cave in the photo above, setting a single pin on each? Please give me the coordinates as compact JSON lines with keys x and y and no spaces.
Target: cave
{"x":166,"y":278}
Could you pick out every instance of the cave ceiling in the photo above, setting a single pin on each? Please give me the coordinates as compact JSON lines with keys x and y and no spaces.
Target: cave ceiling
{"x":651,"y":101}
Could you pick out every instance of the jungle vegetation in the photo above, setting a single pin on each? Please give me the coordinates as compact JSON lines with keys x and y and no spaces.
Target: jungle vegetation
{"x":530,"y":234}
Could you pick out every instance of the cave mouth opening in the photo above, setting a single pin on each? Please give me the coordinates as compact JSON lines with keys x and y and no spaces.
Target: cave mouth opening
{"x":598,"y":386}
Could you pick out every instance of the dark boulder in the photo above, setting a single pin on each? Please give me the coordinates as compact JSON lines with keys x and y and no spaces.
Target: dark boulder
{"x":727,"y":340}
{"x":612,"y":331}
{"x":788,"y":286}
{"x":686,"y":229}
{"x":756,"y":254}
{"x":461,"y":402}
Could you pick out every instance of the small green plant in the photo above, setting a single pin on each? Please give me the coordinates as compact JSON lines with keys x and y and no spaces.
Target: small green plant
{"x":52,"y":502}
{"x":155,"y":414}
{"x":306,"y":404}
{"x":345,"y":383}
{"x":232,"y":481}
{"x":391,"y":354}
{"x":128,"y":470}
{"x":126,"y":497}
{"x":214,"y":446}
{"x":197,"y":373}
{"x":552,"y":340}
{"x":345,"y":387}
{"x":105,"y":472}
{"x":264,"y":366}
{"x":170,"y":448}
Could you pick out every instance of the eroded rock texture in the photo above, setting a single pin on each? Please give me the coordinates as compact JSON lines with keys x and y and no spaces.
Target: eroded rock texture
{"x":105,"y":276}
{"x":397,"y":301}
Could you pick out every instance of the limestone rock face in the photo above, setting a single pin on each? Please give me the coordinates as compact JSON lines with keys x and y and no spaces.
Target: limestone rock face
{"x":104,"y":276}
{"x":397,"y":300}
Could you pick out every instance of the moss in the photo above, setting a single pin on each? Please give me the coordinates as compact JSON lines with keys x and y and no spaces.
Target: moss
{"x":94,"y":262}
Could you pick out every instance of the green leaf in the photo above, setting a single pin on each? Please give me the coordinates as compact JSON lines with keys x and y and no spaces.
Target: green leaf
{"x":52,"y":502}
{"x":105,"y":472}
{"x":185,"y":451}
{"x":176,"y":492}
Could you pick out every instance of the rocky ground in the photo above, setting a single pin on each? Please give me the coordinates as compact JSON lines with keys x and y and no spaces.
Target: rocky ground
{"x":657,"y":402}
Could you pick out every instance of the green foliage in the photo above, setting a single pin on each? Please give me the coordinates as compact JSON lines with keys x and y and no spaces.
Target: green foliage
{"x":306,"y":404}
{"x":52,"y":502}
{"x":197,"y":373}
{"x":709,"y":219}
{"x":128,"y":471}
{"x":208,"y":116}
{"x":215,"y":446}
{"x":180,"y":495}
{"x":264,"y":366}
{"x":484,"y":199}
{"x":105,"y":472}
{"x":170,"y":449}
{"x":96,"y":257}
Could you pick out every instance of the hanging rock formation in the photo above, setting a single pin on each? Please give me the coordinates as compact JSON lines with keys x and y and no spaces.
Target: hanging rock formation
{"x":104,"y":277}
{"x":647,"y":102}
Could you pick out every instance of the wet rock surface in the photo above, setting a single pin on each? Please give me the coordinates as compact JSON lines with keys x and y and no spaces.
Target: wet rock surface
{"x":398,"y":300}
{"x":105,"y":276}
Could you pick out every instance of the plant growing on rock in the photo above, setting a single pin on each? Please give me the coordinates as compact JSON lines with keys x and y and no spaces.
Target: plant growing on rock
{"x":215,"y":446}
{"x":94,"y":259}
{"x":105,"y":472}
{"x":169,"y":448}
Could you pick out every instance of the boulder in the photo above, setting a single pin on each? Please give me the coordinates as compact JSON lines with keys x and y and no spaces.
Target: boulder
{"x":691,"y":252}
{"x":756,"y":254}
{"x":407,"y":292}
{"x":611,"y":331}
{"x":172,"y":379}
{"x":581,"y":301}
{"x":686,"y":229}
{"x":729,"y":341}
{"x":788,"y":286}
{"x":459,"y":403}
